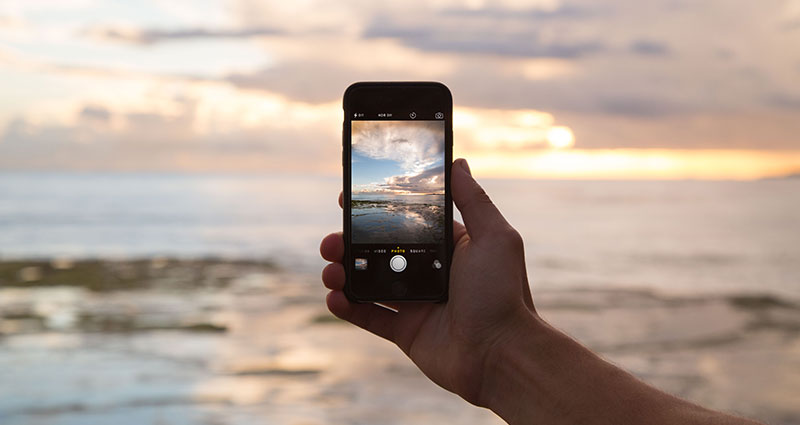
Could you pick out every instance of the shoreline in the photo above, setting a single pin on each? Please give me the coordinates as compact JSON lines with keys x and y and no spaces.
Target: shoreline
{"x":145,"y":272}
{"x":242,"y":333}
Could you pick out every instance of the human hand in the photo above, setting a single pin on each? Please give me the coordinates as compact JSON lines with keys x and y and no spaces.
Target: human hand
{"x":452,"y":343}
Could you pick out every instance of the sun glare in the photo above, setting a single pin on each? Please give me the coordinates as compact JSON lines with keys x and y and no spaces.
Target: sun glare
{"x":560,"y":137}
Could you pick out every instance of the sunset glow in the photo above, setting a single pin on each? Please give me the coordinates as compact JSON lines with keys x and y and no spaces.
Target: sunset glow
{"x":560,"y":137}
{"x":637,"y":164}
{"x":545,"y":91}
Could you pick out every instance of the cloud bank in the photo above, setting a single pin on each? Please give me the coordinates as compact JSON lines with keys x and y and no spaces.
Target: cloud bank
{"x":414,"y":145}
{"x":97,"y":90}
{"x":430,"y":181}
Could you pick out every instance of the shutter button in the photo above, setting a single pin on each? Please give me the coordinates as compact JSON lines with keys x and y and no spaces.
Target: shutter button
{"x":398,"y":263}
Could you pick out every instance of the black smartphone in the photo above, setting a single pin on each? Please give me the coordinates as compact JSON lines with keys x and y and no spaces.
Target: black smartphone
{"x":398,"y":210}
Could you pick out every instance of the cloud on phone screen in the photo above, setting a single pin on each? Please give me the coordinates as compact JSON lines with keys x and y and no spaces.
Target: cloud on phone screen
{"x":415,"y":147}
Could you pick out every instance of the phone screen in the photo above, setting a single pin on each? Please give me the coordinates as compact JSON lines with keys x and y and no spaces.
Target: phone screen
{"x":398,"y":206}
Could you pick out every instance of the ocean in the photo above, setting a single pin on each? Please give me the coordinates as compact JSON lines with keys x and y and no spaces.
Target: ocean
{"x":199,"y":300}
{"x":671,"y":236}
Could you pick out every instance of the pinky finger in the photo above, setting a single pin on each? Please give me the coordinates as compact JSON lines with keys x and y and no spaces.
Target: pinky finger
{"x":379,"y":320}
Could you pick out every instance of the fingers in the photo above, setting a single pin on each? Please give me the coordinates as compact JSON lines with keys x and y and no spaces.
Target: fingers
{"x":333,"y":276}
{"x":341,"y":200}
{"x":481,"y":217}
{"x":332,"y":247}
{"x":379,"y":320}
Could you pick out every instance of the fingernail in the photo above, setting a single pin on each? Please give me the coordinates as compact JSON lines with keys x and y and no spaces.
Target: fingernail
{"x":465,"y":166}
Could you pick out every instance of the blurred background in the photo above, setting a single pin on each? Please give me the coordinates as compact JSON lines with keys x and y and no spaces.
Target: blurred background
{"x":167,"y":169}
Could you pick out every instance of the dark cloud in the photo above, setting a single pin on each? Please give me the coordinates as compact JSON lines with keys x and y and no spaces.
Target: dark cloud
{"x":784,"y":101}
{"x":649,"y":48}
{"x":525,"y":43}
{"x":605,"y":91}
{"x":153,"y":36}
{"x":480,"y":83}
{"x":486,"y":32}
{"x":567,"y":11}
{"x":97,"y":113}
{"x":311,"y":81}
{"x":428,"y":181}
{"x":640,"y":106}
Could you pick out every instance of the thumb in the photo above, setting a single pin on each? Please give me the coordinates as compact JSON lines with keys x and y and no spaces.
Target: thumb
{"x":481,"y":216}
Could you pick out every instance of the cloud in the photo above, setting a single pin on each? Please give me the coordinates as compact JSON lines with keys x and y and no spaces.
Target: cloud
{"x":649,"y":48}
{"x":632,"y":74}
{"x":639,"y":106}
{"x":783,"y":101}
{"x":460,"y":35}
{"x":153,"y":36}
{"x":98,"y":113}
{"x":791,"y":25}
{"x":308,"y":81}
{"x":430,"y":181}
{"x":28,"y":146}
{"x":529,"y":13}
{"x":208,"y":132}
{"x":414,"y":145}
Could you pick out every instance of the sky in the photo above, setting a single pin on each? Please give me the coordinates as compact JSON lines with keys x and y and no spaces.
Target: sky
{"x":398,"y":157}
{"x":542,"y":89}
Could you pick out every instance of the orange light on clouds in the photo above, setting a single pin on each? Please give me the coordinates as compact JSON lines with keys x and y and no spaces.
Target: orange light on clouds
{"x":635,"y":164}
{"x":501,"y":129}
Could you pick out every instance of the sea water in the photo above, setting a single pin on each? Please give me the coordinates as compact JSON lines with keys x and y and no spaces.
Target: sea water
{"x":684,"y":236}
{"x":275,"y":355}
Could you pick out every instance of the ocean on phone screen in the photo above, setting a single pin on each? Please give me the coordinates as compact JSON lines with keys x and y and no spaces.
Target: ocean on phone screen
{"x":397,"y":218}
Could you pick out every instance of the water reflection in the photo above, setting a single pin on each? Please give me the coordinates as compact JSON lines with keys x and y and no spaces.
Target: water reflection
{"x":261,"y":348}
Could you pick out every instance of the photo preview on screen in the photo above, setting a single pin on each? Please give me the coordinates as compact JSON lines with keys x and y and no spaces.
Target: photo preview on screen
{"x":398,"y":197}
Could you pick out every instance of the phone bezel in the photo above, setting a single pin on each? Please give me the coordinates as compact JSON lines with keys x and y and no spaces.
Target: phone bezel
{"x":395,"y":96}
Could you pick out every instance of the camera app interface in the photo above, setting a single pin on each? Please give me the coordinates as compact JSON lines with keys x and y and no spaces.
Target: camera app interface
{"x":398,"y":200}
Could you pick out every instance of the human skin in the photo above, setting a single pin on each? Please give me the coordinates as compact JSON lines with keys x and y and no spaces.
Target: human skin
{"x":489,"y":345}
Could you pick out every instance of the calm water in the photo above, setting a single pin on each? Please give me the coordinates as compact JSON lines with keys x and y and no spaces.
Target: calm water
{"x":278,"y":358}
{"x":398,"y":218}
{"x":674,"y":236}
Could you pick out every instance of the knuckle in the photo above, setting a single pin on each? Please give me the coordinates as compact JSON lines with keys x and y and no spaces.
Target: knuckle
{"x":513,"y":238}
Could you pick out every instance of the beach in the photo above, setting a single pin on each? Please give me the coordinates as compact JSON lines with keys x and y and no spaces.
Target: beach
{"x":210,"y":341}
{"x":150,"y":299}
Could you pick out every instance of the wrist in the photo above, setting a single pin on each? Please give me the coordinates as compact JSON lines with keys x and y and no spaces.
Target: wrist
{"x":542,"y":375}
{"x":502,"y":360}
{"x":537,"y":374}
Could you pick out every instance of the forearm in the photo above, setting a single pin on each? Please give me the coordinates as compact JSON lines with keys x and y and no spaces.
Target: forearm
{"x":542,"y":376}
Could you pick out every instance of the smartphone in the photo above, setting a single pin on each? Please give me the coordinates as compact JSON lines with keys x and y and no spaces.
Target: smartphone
{"x":398,"y":209}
